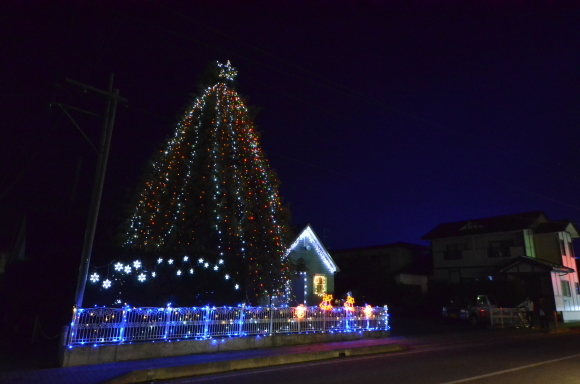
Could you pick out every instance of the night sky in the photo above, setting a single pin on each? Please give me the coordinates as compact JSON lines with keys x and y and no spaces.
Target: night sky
{"x":381,"y":121}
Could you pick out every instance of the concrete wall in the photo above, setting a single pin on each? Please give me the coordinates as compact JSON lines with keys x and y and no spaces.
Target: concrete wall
{"x":109,"y":353}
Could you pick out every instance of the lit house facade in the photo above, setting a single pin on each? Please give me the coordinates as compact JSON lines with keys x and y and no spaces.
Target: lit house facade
{"x":528,"y":246}
{"x":315,"y":269}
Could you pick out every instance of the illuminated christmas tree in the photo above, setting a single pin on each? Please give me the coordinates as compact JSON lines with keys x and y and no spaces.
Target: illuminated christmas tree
{"x":209,"y":207}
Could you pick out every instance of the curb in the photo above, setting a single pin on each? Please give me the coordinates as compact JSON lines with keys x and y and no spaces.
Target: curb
{"x":167,"y":373}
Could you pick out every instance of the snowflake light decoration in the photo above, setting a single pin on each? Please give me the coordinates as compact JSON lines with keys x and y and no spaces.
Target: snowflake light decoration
{"x":206,"y":265}
{"x":227,"y":71}
{"x":200,"y":260}
{"x":107,"y":284}
{"x":215,"y":268}
{"x":227,"y":276}
{"x":127,"y":269}
{"x":159,"y":260}
{"x":95,"y":277}
{"x":170,"y":261}
{"x":141,"y":277}
{"x":137,"y":264}
{"x":179,"y":272}
{"x":119,"y":267}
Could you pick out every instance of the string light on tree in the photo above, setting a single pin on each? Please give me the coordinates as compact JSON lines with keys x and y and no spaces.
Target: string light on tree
{"x":210,"y":192}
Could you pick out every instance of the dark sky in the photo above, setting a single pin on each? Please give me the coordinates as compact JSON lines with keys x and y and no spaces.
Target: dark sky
{"x":381,"y":120}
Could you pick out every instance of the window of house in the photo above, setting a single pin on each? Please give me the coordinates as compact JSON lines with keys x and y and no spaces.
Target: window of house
{"x":499,"y":248}
{"x":319,"y":285}
{"x":577,"y":288}
{"x":562,"y":248}
{"x":571,"y":250}
{"x":565,"y":288}
{"x":454,"y":252}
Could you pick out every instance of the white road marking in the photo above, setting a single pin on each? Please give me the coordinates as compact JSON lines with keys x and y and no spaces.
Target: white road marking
{"x":512,"y":369}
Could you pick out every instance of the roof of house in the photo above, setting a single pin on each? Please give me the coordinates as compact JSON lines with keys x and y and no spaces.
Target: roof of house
{"x":308,"y":233}
{"x":538,"y":263}
{"x":505,"y":223}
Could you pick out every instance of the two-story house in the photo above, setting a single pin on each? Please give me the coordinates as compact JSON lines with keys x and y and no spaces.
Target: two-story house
{"x":527,"y":246}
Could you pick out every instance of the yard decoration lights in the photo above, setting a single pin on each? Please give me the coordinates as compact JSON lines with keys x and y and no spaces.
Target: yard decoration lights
{"x":300,"y":311}
{"x":368,"y":311}
{"x":326,"y":303}
{"x":349,"y":303}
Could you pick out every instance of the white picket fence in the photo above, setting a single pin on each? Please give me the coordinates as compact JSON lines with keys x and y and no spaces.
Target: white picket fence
{"x":119,"y":325}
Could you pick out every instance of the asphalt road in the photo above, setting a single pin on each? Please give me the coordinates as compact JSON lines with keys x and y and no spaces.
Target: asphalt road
{"x":511,"y":357}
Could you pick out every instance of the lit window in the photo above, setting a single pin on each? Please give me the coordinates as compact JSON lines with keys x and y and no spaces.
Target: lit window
{"x":565,"y":288}
{"x":319,"y":285}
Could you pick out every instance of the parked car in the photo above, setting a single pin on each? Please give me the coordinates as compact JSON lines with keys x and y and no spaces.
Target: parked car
{"x":476,"y":312}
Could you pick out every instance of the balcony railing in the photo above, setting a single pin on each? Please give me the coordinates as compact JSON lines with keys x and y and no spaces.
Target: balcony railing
{"x":122,"y":325}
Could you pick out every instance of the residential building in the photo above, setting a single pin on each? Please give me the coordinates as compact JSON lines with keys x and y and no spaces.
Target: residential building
{"x":526,"y":246}
{"x":315,"y":269}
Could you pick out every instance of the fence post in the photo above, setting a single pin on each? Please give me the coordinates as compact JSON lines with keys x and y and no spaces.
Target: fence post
{"x":242,"y":311}
{"x":272,"y":309}
{"x":206,"y":326}
{"x":168,"y":311}
{"x":73,"y":327}
{"x":123,"y":324}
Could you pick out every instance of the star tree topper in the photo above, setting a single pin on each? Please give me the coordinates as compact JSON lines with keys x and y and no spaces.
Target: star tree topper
{"x":227,"y":71}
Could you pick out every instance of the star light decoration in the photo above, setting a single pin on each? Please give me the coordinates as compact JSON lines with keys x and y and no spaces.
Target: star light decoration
{"x":227,"y":71}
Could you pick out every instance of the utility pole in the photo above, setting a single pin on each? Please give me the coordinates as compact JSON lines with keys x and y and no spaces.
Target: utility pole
{"x":113,"y":98}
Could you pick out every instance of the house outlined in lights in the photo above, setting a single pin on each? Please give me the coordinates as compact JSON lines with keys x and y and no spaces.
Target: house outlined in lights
{"x":315,"y":269}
